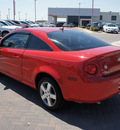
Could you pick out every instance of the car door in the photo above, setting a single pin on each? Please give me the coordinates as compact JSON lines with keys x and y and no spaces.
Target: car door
{"x":33,"y":58}
{"x":11,"y":51}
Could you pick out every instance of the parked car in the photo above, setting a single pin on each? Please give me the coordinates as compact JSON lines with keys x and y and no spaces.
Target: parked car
{"x":61,"y":64}
{"x":109,"y":27}
{"x":100,"y":25}
{"x":21,"y":24}
{"x":7,"y":23}
{"x":68,"y":25}
{"x":13,"y":23}
{"x":41,"y":24}
{"x":60,"y":24}
{"x":118,"y":25}
{"x":52,"y":25}
{"x":48,"y":25}
{"x":32,"y":24}
{"x":88,"y":25}
{"x":5,"y":29}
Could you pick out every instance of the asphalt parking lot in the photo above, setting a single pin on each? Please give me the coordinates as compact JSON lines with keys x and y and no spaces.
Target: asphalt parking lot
{"x":107,"y":37}
{"x":20,"y":108}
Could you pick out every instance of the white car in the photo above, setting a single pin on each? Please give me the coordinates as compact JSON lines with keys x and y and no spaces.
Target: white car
{"x":109,"y":27}
{"x":6,"y":29}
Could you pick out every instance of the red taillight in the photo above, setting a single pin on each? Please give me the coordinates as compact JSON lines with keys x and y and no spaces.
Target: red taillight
{"x":91,"y":69}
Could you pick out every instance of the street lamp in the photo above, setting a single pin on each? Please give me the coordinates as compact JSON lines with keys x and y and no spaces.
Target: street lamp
{"x":35,"y":10}
{"x":26,"y":16}
{"x":19,"y":15}
{"x":92,"y":11}
{"x":14,"y":9}
{"x":0,"y":15}
{"x":79,"y":16}
{"x":9,"y":14}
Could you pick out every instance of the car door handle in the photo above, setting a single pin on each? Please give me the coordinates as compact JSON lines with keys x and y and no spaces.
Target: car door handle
{"x":16,"y":56}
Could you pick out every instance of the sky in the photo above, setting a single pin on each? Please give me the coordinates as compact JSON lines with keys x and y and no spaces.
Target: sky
{"x":25,"y":8}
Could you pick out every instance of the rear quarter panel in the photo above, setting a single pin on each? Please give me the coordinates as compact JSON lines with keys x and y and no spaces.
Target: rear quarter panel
{"x":61,"y":69}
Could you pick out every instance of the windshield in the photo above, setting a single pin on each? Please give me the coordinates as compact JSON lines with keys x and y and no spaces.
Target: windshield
{"x":69,"y":40}
{"x":1,"y":24}
{"x":8,"y":23}
{"x":13,"y":23}
{"x":111,"y":25}
{"x":23,"y":22}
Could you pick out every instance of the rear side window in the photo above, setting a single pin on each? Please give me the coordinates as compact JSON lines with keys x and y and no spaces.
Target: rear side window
{"x":69,"y":40}
{"x":36,"y":43}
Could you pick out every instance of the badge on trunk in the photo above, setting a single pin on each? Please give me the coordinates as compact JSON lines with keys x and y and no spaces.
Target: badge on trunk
{"x":118,"y":59}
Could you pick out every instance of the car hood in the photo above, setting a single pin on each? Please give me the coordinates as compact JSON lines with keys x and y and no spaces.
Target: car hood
{"x":112,"y":27}
{"x":11,"y":27}
{"x":34,"y":25}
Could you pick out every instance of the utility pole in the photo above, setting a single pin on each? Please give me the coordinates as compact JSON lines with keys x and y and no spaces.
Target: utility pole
{"x":35,"y":10}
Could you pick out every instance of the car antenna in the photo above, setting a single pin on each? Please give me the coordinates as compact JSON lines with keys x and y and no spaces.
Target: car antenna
{"x":62,"y":28}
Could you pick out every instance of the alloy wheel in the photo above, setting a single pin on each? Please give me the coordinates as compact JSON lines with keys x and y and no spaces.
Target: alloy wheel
{"x":48,"y":94}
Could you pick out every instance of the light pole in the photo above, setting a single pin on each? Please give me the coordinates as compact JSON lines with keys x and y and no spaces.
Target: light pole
{"x":0,"y":15}
{"x":7,"y":17}
{"x":35,"y":10}
{"x":92,"y":11}
{"x":9,"y":13}
{"x":14,"y":9}
{"x":19,"y":15}
{"x":79,"y":16}
{"x":26,"y":16}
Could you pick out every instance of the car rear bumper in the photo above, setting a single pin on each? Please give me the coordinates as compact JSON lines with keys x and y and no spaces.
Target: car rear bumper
{"x":92,"y":91}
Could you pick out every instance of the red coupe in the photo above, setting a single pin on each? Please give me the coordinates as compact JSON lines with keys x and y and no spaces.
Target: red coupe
{"x":61,"y":64}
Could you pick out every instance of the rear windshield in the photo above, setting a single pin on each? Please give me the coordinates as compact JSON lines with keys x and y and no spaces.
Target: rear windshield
{"x":69,"y":40}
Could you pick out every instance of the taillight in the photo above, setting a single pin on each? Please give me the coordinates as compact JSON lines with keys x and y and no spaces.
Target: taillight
{"x":91,"y":69}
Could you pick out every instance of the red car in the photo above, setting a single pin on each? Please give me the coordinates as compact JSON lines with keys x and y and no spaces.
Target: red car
{"x":61,"y":64}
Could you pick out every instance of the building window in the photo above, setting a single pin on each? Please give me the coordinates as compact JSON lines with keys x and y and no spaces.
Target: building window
{"x":113,"y":17}
{"x":101,"y":17}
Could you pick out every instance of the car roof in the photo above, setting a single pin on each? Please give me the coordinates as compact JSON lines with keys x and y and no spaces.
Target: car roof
{"x":42,"y":29}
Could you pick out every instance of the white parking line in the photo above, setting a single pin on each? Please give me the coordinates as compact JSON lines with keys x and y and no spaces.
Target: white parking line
{"x":117,"y":43}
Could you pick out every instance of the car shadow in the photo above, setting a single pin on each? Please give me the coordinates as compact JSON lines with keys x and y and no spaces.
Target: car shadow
{"x":104,"y":116}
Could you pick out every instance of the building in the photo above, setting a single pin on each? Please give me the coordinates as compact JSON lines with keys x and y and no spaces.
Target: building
{"x":110,"y":17}
{"x":82,"y":16}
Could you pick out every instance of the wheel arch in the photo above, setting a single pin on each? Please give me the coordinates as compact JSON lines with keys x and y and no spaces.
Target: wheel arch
{"x":5,"y":31}
{"x":44,"y":74}
{"x":47,"y":71}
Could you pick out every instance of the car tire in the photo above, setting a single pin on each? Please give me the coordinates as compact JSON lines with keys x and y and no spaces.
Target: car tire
{"x":4,"y":33}
{"x":50,"y":94}
{"x":106,"y":31}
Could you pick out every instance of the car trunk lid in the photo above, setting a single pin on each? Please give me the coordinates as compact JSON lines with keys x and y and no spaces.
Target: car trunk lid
{"x":109,"y":62}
